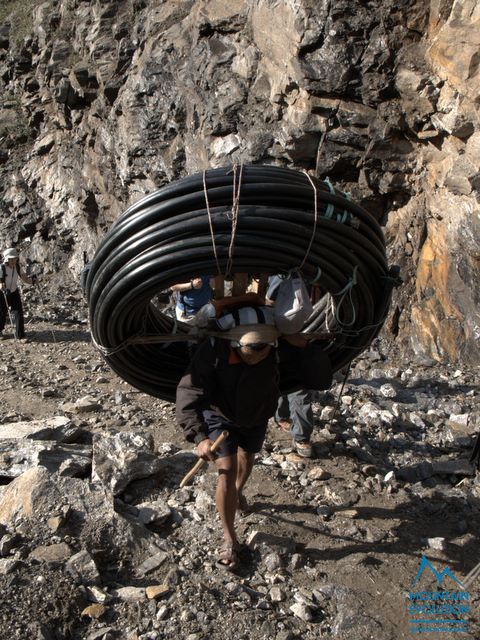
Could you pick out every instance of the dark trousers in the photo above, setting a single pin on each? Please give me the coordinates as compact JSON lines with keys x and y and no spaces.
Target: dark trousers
{"x":14,"y":302}
{"x":297,"y":407}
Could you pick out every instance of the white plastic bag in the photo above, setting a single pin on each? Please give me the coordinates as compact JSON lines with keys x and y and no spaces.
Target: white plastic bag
{"x":292,"y":305}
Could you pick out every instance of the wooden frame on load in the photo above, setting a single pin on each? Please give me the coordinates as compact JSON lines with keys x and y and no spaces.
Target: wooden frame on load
{"x":241,"y":284}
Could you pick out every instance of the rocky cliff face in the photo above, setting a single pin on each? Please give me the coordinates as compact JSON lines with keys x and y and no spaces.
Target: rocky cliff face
{"x":104,"y":101}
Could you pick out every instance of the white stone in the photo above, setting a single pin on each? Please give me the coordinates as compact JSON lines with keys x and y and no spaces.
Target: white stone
{"x":225,"y":146}
{"x":439,"y":544}
{"x":459,"y":419}
{"x":276,"y":594}
{"x":388,"y":391}
{"x":27,"y":428}
{"x":301,"y":611}
{"x":389,"y":476}
{"x":130,"y":594}
{"x":327,"y":413}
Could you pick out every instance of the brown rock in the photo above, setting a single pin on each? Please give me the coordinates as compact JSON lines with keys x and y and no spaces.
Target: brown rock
{"x":31,"y":494}
{"x":51,"y":553}
{"x":94,"y":611}
{"x":154,"y":592}
{"x":454,"y":51}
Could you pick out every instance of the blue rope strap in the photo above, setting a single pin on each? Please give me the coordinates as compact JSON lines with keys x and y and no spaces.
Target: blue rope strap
{"x":342,"y":218}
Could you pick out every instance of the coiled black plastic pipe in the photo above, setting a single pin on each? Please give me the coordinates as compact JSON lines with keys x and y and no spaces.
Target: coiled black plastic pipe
{"x":165,"y":238}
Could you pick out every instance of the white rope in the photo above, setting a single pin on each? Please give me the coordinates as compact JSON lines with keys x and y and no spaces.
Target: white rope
{"x":314,"y":222}
{"x":210,"y":224}
{"x":234,"y":214}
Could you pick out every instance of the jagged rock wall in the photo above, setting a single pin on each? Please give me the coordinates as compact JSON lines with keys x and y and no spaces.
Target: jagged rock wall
{"x":105,"y":101}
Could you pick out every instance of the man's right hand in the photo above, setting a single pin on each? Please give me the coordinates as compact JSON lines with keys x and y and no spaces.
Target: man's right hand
{"x":204,"y":450}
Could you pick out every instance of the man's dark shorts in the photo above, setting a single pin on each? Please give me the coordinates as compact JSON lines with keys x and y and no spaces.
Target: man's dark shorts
{"x":250,"y":440}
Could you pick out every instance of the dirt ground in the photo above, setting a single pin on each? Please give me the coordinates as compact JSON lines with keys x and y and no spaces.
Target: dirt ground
{"x":365,"y":546}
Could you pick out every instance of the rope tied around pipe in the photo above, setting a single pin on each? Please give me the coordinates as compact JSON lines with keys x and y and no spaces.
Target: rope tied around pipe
{"x":210,"y":223}
{"x":314,"y":230}
{"x":234,"y":215}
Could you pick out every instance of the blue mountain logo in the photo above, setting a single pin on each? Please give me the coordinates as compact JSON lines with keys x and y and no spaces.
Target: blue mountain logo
{"x":425,"y":564}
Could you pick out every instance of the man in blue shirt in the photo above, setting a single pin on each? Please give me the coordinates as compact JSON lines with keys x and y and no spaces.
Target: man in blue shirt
{"x":191,"y":297}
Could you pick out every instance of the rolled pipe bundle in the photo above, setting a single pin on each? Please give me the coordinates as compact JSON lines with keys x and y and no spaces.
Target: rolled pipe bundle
{"x":250,"y":219}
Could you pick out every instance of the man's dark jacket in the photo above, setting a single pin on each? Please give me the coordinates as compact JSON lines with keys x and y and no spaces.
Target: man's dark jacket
{"x":245,"y":394}
{"x":218,"y":380}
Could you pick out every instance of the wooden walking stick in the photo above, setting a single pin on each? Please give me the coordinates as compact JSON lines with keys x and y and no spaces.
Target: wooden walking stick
{"x":200,"y":462}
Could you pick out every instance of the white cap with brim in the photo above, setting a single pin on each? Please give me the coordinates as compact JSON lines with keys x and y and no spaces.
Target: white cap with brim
{"x":247,"y":334}
{"x":10,"y":253}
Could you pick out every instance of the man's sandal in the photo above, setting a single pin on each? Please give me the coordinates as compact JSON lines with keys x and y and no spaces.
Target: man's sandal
{"x":228,"y":557}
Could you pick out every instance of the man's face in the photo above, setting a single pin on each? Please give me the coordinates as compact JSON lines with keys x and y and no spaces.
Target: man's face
{"x":12,"y":262}
{"x":253,"y":354}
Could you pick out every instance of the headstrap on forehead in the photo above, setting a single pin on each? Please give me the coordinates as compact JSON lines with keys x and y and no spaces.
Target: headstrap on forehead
{"x":253,"y":334}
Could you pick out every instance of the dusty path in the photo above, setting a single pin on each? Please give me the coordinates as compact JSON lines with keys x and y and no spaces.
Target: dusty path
{"x":341,"y":542}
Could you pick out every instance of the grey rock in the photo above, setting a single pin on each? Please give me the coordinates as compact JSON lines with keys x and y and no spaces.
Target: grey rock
{"x":52,"y":553}
{"x":272,"y":562}
{"x":7,"y":543}
{"x":388,"y":391}
{"x":82,"y":566}
{"x":153,"y":512}
{"x":37,"y":429}
{"x":278,"y":544}
{"x":342,"y":498}
{"x":94,"y":594}
{"x":416,"y":472}
{"x":68,"y":459}
{"x":151,"y":563}
{"x":296,"y":561}
{"x":129,"y":594}
{"x":104,"y":633}
{"x":276,"y":594}
{"x":87,"y":404}
{"x":456,"y":467}
{"x":8,"y":565}
{"x":301,"y":611}
{"x":460,"y":429}
{"x":122,"y":457}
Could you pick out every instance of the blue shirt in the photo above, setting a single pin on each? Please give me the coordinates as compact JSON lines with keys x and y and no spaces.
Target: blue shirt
{"x":191,"y":301}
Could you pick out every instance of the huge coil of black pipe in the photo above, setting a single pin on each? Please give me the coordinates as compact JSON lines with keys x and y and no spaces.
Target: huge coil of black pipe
{"x":280,"y":219}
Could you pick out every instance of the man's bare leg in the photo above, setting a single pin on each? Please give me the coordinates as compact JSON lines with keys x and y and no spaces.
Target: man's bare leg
{"x":226,"y":496}
{"x":244,"y":469}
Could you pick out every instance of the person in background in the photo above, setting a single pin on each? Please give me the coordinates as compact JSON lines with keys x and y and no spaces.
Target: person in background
{"x":294,"y":414}
{"x":294,"y":411}
{"x":191,"y":297}
{"x":10,"y":300}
